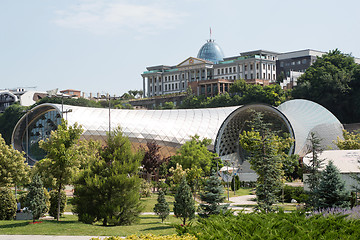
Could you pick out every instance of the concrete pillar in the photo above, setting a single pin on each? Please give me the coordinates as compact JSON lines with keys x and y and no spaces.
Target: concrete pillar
{"x":144,"y":94}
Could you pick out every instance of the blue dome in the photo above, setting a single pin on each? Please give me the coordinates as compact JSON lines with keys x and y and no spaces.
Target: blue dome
{"x":211,"y":51}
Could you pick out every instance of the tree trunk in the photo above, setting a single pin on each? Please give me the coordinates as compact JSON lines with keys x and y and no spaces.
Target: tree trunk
{"x":59,"y":202}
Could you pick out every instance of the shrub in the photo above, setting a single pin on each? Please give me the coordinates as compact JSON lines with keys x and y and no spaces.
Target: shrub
{"x":145,"y":188}
{"x":36,"y":198}
{"x":291,"y":192}
{"x":54,"y":203}
{"x":152,"y":237}
{"x":275,"y":226}
{"x":7,"y":204}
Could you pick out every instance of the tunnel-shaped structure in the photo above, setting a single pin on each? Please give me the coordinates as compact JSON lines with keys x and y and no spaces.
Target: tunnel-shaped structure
{"x":172,"y":128}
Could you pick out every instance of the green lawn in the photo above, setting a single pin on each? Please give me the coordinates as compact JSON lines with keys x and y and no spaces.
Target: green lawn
{"x":149,"y":202}
{"x":70,"y":226}
{"x":240,"y":192}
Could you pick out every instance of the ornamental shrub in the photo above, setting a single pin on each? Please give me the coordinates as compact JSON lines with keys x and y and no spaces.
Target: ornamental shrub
{"x":151,"y":237}
{"x":291,"y":192}
{"x":145,"y":189}
{"x":7,"y":204}
{"x":277,"y":225}
{"x":237,"y":183}
{"x":54,"y":203}
{"x":36,"y":198}
{"x":162,"y":206}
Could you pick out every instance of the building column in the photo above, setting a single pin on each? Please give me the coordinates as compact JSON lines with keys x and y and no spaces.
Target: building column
{"x":212,"y":90}
{"x":206,"y":74}
{"x":144,"y":94}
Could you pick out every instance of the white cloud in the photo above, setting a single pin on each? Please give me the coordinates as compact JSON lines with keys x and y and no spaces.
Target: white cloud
{"x":102,"y":17}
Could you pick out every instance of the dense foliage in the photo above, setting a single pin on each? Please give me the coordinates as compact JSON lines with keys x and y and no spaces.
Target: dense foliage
{"x":109,"y":189}
{"x":333,"y":81}
{"x":212,"y":197}
{"x":240,"y":93}
{"x":13,"y":170}
{"x":351,"y":140}
{"x":275,"y":226}
{"x":7,"y":204}
{"x":266,"y":156}
{"x":162,"y":207}
{"x":8,"y":120}
{"x":184,"y":205}
{"x":54,"y":203}
{"x":151,"y":237}
{"x":36,"y":199}
{"x":195,"y":159}
{"x":313,"y":170}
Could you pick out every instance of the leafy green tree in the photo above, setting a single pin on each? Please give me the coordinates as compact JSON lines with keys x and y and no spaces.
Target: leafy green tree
{"x":184,"y":205}
{"x":195,"y":158}
{"x":266,"y":150}
{"x":169,"y":105}
{"x":212,"y":197}
{"x":7,"y":204}
{"x":333,"y":81}
{"x":162,"y":206}
{"x":36,"y":198}
{"x":351,"y":141}
{"x":109,"y":189}
{"x":9,"y":119}
{"x":14,"y":170}
{"x":61,"y":158}
{"x":313,"y":170}
{"x":331,"y":190}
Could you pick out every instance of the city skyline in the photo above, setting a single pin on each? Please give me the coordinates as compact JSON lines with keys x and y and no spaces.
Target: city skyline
{"x":104,"y":46}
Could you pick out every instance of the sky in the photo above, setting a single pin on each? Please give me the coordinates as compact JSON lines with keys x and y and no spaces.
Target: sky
{"x":103,"y":46}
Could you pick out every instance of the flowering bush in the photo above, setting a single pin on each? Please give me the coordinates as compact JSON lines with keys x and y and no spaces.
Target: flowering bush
{"x":353,"y":213}
{"x":152,"y":237}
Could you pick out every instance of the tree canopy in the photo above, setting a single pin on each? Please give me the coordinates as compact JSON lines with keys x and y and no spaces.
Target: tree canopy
{"x":333,"y":81}
{"x":61,"y":159}
{"x":13,"y":169}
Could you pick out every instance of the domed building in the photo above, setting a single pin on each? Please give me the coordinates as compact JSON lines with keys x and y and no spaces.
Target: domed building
{"x":211,"y":51}
{"x":210,"y":73}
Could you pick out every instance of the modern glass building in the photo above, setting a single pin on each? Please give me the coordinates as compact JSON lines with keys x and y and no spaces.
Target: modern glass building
{"x":172,"y":128}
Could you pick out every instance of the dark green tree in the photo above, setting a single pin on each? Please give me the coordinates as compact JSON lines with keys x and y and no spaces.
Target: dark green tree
{"x":313,"y":170}
{"x":54,"y":203}
{"x":184,"y":205}
{"x":36,"y":198}
{"x":212,"y":197}
{"x":7,"y":204}
{"x":61,"y":160}
{"x":8,"y":120}
{"x":266,"y":156}
{"x":333,"y":81}
{"x":331,"y":190}
{"x":109,"y":190}
{"x":162,"y":206}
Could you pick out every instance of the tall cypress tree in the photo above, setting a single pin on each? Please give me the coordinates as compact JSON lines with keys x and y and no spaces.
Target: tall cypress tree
{"x":313,"y":170}
{"x":36,"y":199}
{"x":162,"y":206}
{"x":213,"y":196}
{"x":184,"y":205}
{"x":331,"y":190}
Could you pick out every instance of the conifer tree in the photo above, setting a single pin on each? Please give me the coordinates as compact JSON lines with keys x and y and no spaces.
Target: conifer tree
{"x":213,"y":196}
{"x":331,"y":190}
{"x":184,"y":205}
{"x":36,"y":198}
{"x":162,"y":206}
{"x":313,"y":170}
{"x":109,"y":190}
{"x":266,"y":156}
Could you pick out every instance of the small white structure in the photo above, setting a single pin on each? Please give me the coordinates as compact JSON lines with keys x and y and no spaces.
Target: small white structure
{"x":347,"y":161}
